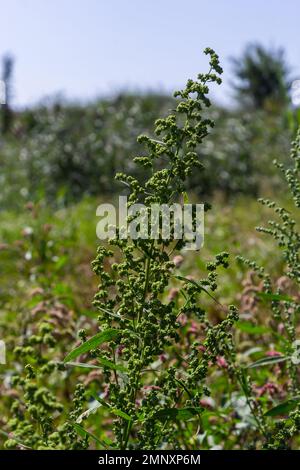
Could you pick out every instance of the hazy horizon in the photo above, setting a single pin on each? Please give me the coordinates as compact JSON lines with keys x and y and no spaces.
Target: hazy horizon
{"x":84,"y":50}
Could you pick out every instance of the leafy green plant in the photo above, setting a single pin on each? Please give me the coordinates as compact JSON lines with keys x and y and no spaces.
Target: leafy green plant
{"x":161,"y":362}
{"x":156,"y":394}
{"x":33,"y":414}
{"x":282,"y":296}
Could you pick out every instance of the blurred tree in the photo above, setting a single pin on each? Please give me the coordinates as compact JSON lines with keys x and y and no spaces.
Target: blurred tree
{"x":7,"y":72}
{"x":262,"y":77}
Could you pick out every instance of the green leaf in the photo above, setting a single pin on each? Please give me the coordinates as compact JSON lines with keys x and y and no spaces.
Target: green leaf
{"x":178,"y":413}
{"x":103,"y":362}
{"x":120,"y":413}
{"x":283,"y":408}
{"x":200,"y":288}
{"x":184,"y":387}
{"x":108,"y":312}
{"x":251,"y":351}
{"x":276,"y":297}
{"x":81,"y":364}
{"x":111,"y":365}
{"x":83,"y":433}
{"x":114,"y":411}
{"x":8,"y":436}
{"x":267,"y":361}
{"x":99,"y":399}
{"x":190,"y":281}
{"x":92,"y":343}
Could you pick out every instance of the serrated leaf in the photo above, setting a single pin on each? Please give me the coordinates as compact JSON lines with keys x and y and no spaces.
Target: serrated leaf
{"x":92,"y":343}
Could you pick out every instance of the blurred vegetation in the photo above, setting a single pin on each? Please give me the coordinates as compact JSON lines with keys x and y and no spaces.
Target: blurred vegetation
{"x":65,"y":151}
{"x":262,"y":77}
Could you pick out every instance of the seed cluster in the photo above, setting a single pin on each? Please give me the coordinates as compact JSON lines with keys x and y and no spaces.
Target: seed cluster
{"x":131,"y":291}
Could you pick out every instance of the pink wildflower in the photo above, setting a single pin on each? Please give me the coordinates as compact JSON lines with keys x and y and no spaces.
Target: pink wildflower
{"x":221,"y":361}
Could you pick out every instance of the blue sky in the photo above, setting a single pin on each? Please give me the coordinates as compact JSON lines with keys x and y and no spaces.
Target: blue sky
{"x":86,"y":48}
